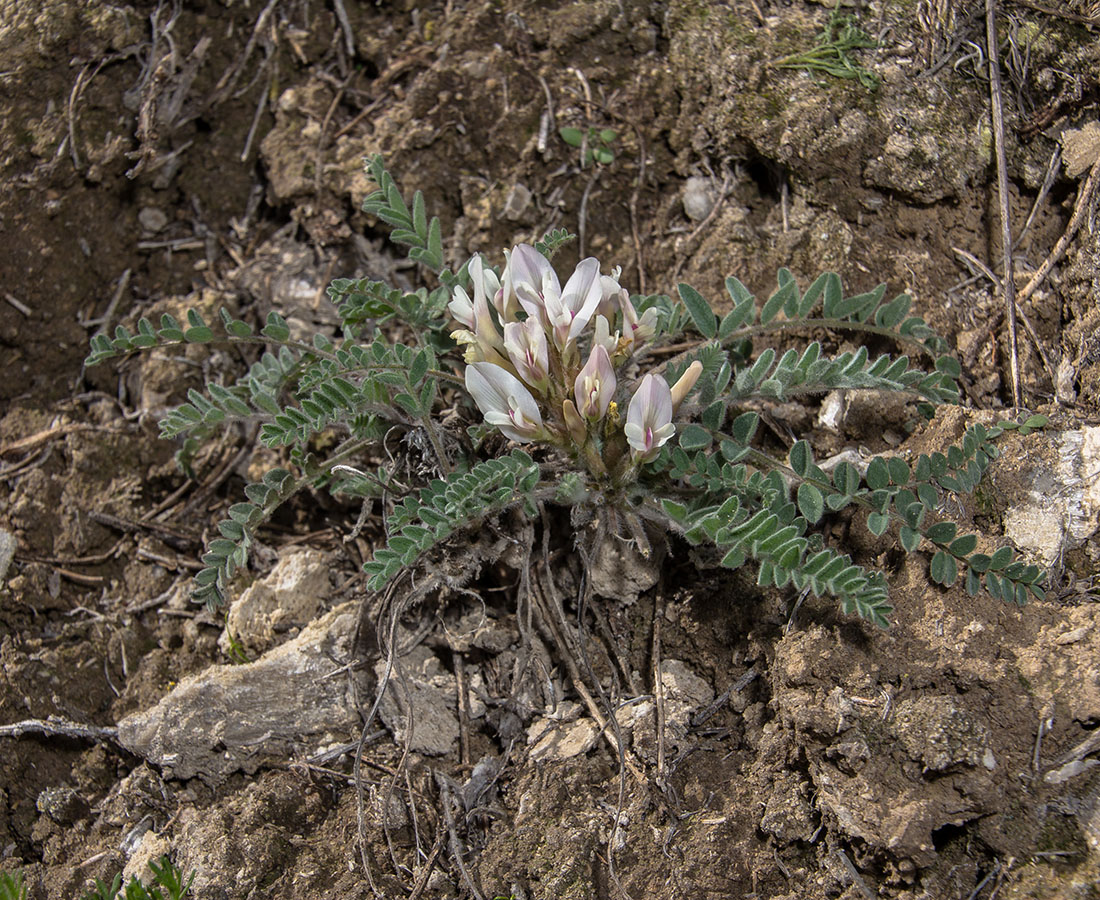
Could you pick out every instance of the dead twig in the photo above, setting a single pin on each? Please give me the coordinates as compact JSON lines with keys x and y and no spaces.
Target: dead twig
{"x":229,"y":78}
{"x":1008,"y":285}
{"x":659,"y":685}
{"x":74,"y":96}
{"x":174,"y":537}
{"x":345,"y":25}
{"x":993,"y":873}
{"x":1083,"y":197}
{"x":722,"y":699}
{"x":18,"y":304}
{"x":976,"y":263}
{"x":261,"y":105}
{"x":221,"y":475}
{"x":319,"y":161}
{"x":462,"y":689}
{"x":95,"y":560}
{"x":1089,"y":22}
{"x":552,"y":625}
{"x":582,"y":214}
{"x":55,"y":726}
{"x":1046,"y":723}
{"x":78,"y":578}
{"x":103,"y":323}
{"x":634,"y":231}
{"x":32,"y":442}
{"x":429,"y":863}
{"x":445,"y":801}
{"x":853,"y":873}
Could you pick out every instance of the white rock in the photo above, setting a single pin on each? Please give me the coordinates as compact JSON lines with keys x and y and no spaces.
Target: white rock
{"x":230,"y":718}
{"x":560,"y":741}
{"x":699,"y":197}
{"x":1062,"y":508}
{"x":152,"y":219}
{"x":290,"y":596}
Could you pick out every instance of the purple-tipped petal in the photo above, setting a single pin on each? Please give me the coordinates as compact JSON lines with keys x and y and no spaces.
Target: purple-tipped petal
{"x":525,"y":343}
{"x":595,"y":385}
{"x":504,"y":401}
{"x":649,"y":417}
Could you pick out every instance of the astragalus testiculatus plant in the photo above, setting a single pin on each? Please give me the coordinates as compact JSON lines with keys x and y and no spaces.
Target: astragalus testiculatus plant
{"x":569,"y":374}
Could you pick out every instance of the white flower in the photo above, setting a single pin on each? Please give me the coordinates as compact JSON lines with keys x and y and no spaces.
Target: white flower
{"x":462,"y":309}
{"x":525,"y":344}
{"x":595,"y":385}
{"x":609,"y":290}
{"x":649,"y":418}
{"x":636,"y":331}
{"x":531,"y":278}
{"x":567,"y":314}
{"x":504,"y":401}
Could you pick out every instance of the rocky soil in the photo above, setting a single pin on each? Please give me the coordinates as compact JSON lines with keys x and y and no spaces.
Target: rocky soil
{"x":164,"y":156}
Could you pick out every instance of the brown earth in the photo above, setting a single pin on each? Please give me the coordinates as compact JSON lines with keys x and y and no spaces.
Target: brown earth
{"x":161,"y":157}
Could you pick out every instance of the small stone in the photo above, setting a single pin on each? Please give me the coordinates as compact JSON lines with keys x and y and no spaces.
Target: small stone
{"x":833,"y":410}
{"x":699,"y":197}
{"x":560,"y":742}
{"x":942,"y":734}
{"x":152,"y":219}
{"x":432,"y":691}
{"x":289,"y":597}
{"x":621,"y":572}
{"x":7,"y":551}
{"x":517,"y":202}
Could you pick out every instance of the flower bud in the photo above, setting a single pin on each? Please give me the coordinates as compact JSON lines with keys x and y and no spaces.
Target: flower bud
{"x":685,"y":383}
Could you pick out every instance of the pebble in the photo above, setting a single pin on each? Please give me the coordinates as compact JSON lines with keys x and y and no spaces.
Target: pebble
{"x":152,"y":219}
{"x":699,"y":197}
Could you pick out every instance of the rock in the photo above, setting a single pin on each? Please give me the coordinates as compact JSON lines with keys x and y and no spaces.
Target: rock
{"x":1060,"y":505}
{"x":699,"y":197}
{"x":7,"y":551}
{"x":234,"y":718}
{"x":833,"y":410}
{"x":152,"y":219}
{"x":434,"y":695}
{"x":787,"y":813}
{"x":621,"y":573}
{"x":150,"y":848}
{"x":517,"y":202}
{"x":562,"y":734}
{"x":290,"y":596}
{"x":685,"y":692}
{"x":63,"y":804}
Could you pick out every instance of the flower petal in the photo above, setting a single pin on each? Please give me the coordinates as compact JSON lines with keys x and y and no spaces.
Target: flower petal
{"x":504,"y":401}
{"x":649,"y":417}
{"x":595,"y":384}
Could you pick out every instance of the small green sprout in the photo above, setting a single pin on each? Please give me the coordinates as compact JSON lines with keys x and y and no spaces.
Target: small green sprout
{"x":12,"y":886}
{"x":595,"y":144}
{"x":830,"y":53}
{"x":165,"y":875}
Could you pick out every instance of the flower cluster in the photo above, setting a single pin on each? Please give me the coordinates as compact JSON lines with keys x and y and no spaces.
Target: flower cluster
{"x":543,"y":362}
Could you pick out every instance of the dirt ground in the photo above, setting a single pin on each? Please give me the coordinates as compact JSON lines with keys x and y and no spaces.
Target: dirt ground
{"x":161,"y":156}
